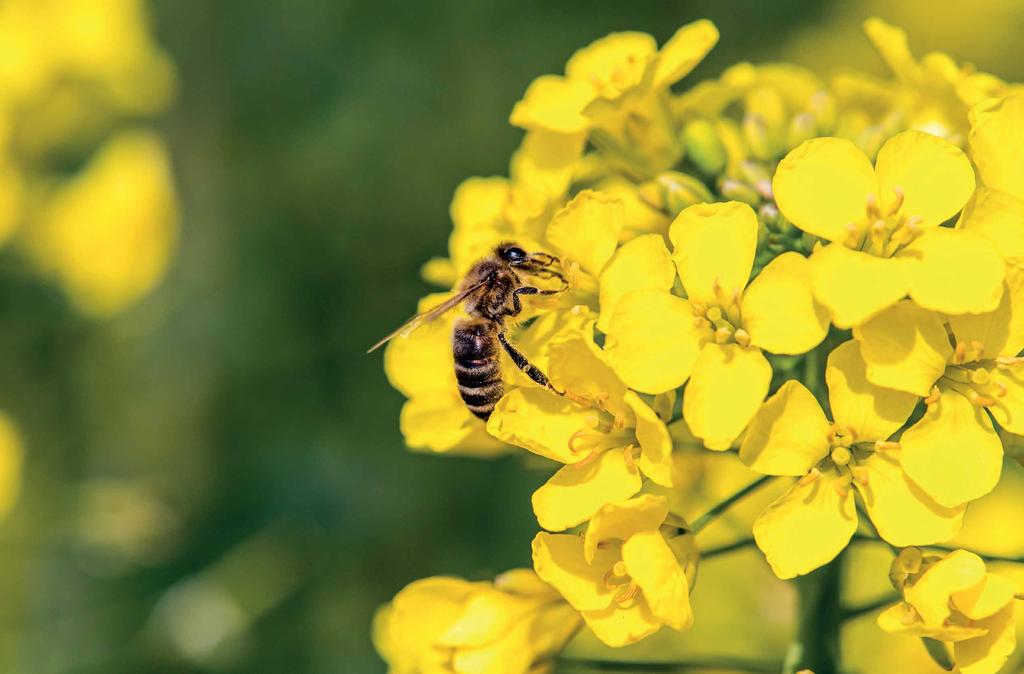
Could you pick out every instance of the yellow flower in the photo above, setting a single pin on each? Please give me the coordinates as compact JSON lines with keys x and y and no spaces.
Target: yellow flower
{"x":955,"y":600}
{"x":657,"y":341}
{"x":883,"y":225}
{"x":967,"y":367}
{"x":813,"y":522}
{"x":108,"y":234}
{"x":933,"y":93}
{"x":628,"y":575}
{"x":444,"y":625}
{"x":605,"y":449}
{"x":615,"y":91}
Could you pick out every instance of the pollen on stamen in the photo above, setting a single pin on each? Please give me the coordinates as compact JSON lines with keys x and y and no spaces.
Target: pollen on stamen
{"x":842,"y":487}
{"x":860,"y":475}
{"x":910,"y":615}
{"x":979,"y":400}
{"x":852,"y":234}
{"x":1000,"y":389}
{"x":900,"y":197}
{"x":933,"y":397}
{"x":871,"y":207}
{"x":742,"y":337}
{"x":959,"y":353}
{"x":886,"y":445}
{"x":722,"y":335}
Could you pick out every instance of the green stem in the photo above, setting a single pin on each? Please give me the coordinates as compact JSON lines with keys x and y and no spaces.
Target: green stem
{"x":720,"y":508}
{"x":816,"y":646}
{"x":726,"y":549}
{"x":857,"y":611}
{"x":724,"y":664}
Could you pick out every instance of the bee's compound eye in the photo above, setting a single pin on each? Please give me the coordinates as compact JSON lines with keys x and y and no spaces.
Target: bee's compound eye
{"x":515,"y":254}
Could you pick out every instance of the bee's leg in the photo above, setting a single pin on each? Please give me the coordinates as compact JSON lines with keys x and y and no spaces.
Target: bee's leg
{"x":531,"y":371}
{"x":517,"y":305}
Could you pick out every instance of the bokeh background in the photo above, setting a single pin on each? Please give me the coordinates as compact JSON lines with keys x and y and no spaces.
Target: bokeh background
{"x":206,"y":473}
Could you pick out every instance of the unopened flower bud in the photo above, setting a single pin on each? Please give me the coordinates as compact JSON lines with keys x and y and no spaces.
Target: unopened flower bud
{"x":802,"y":127}
{"x":822,"y":108}
{"x":679,"y":191}
{"x":704,"y":146}
{"x":738,"y":191}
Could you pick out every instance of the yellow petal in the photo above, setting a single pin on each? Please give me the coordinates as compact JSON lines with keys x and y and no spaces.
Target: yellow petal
{"x":619,"y":521}
{"x":683,"y":51}
{"x":996,"y":215}
{"x":874,"y":413}
{"x":558,"y":560}
{"x":788,"y":435}
{"x":728,"y":385}
{"x":617,"y":626}
{"x":996,"y":144}
{"x":653,"y":566}
{"x":641,"y":264}
{"x":806,"y":527}
{"x":655,"y":442}
{"x":779,"y":310}
{"x":540,"y":421}
{"x":935,"y":176}
{"x":613,"y":64}
{"x":823,"y":185}
{"x":954,"y":271}
{"x":902,"y":618}
{"x":652,"y":342}
{"x":553,"y":103}
{"x":891,"y":44}
{"x":854,"y":285}
{"x":487,"y":614}
{"x":587,"y":230}
{"x":1000,"y":332}
{"x":421,"y":362}
{"x":575,"y":492}
{"x":988,"y":653}
{"x":420,"y":613}
{"x":905,"y":348}
{"x":713,"y":247}
{"x":958,"y":571}
{"x":441,"y":423}
{"x":986,"y":598}
{"x":577,"y":364}
{"x":547,"y":159}
{"x":901,"y":511}
{"x":953,"y":453}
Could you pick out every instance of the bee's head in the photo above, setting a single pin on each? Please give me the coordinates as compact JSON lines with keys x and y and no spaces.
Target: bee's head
{"x":513,"y":254}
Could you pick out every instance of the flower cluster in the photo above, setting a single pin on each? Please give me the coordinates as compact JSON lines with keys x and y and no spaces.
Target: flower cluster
{"x":823,"y":278}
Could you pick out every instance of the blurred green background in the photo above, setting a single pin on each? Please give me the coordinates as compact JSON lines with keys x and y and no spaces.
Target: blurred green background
{"x":214,"y":478}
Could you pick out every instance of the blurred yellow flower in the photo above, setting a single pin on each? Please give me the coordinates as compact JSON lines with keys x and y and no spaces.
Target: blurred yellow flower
{"x":11,"y":458}
{"x":442,"y":625}
{"x":883,"y":225}
{"x":107,"y":235}
{"x":813,"y":522}
{"x":628,"y":575}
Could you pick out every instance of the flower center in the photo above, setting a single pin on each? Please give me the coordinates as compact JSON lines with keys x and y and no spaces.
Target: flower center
{"x":618,"y":580}
{"x":722,"y":318}
{"x":884,"y":231}
{"x":601,"y":433}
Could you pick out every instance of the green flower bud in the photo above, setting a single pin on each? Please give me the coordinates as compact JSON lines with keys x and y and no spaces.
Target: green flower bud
{"x":735,"y":190}
{"x":802,"y":127}
{"x":672,"y":191}
{"x":703,"y":146}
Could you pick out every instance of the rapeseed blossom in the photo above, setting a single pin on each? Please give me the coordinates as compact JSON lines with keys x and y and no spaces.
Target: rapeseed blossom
{"x":824,"y":275}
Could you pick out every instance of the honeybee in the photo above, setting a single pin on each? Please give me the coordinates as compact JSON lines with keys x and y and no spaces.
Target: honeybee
{"x":491,"y":291}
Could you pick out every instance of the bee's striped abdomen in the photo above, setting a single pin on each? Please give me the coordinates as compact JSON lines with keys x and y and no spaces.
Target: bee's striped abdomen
{"x":475,"y":349}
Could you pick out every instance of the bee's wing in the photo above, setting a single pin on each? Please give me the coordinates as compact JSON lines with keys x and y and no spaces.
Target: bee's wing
{"x":430,"y":314}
